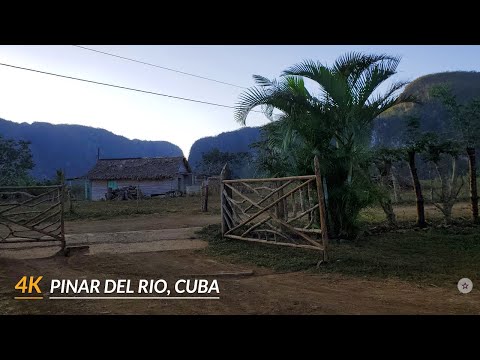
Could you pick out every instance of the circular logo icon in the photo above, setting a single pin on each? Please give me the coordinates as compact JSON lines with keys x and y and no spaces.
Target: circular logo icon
{"x":465,"y":285}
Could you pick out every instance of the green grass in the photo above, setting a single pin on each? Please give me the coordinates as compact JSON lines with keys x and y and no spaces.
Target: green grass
{"x":407,"y":196}
{"x":114,"y":209}
{"x":434,"y":256}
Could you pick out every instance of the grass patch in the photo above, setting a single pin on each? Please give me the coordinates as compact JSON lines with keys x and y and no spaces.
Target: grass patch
{"x":187,"y":205}
{"x":435,"y":256}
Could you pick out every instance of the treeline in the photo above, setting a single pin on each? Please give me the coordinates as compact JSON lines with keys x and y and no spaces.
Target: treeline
{"x":16,"y":162}
{"x":337,"y":123}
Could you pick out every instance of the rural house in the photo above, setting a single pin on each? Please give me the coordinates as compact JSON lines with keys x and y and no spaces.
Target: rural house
{"x":153,"y":176}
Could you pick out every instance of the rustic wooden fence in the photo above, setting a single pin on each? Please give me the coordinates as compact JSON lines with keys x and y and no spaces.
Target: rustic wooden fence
{"x":32,"y":214}
{"x":288,"y":211}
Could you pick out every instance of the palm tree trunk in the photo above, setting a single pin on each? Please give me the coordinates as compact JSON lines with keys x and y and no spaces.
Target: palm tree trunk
{"x":418,"y":190}
{"x":472,"y":168}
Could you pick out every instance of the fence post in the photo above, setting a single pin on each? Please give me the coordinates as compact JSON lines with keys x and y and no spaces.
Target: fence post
{"x":205,"y":198}
{"x":321,"y":207}
{"x":224,"y":175}
{"x":62,"y":208}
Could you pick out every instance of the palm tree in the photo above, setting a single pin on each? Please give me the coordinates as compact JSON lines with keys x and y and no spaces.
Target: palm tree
{"x":336,"y":123}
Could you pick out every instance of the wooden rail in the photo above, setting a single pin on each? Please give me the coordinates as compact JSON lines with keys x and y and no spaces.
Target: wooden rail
{"x":287,"y":211}
{"x":32,"y":214}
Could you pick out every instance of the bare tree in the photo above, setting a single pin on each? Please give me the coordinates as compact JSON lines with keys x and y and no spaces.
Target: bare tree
{"x":384,"y":159}
{"x":444,"y":157}
{"x":466,"y":121}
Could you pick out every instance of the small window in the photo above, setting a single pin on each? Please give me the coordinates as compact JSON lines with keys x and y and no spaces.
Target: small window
{"x":112,"y":184}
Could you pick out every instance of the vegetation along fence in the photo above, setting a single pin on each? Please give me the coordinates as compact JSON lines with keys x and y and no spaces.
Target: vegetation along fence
{"x":287,"y":211}
{"x":32,"y":214}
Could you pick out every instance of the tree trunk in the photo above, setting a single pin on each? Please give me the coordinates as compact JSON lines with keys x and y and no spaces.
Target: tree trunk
{"x":390,"y":214}
{"x":396,"y":187}
{"x":472,"y":168}
{"x":447,"y":212}
{"x":387,"y":181}
{"x":418,"y":190}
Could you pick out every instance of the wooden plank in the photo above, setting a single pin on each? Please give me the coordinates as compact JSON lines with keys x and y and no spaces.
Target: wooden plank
{"x":321,"y":202}
{"x":274,"y":243}
{"x":44,"y":219}
{"x":271,"y":194}
{"x":35,"y":217}
{"x":264,"y":188}
{"x":25,"y":213}
{"x":28,"y":201}
{"x":292,"y":229}
{"x":275,"y":232}
{"x":52,"y":231}
{"x":27,"y":241}
{"x":311,"y":231}
{"x":280,"y":208}
{"x":302,"y":214}
{"x":229,"y":218}
{"x":292,"y":239}
{"x":262,"y":210}
{"x":33,"y":205}
{"x":224,"y":176}
{"x":281,"y":222}
{"x":234,"y":205}
{"x":251,"y":188}
{"x":304,"y":177}
{"x":256,"y":225}
{"x":33,"y":229}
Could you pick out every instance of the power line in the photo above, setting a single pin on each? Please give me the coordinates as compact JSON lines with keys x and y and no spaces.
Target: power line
{"x":158,"y":66}
{"x":120,"y":87}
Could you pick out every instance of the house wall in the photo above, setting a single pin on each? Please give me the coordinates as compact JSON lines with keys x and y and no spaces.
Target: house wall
{"x":99,"y":188}
{"x":148,"y":187}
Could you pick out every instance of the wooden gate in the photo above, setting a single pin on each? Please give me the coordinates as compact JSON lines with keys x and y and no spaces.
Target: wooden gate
{"x":287,"y":211}
{"x":32,"y":214}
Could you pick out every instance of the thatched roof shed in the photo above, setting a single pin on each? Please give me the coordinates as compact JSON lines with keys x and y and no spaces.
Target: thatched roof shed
{"x":139,"y":168}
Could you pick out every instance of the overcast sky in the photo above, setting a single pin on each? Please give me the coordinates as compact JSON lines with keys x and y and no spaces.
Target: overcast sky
{"x":29,"y":97}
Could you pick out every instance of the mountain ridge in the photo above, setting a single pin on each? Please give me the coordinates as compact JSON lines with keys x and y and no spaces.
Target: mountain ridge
{"x":73,"y":148}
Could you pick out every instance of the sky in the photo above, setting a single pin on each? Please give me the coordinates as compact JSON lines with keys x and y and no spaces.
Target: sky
{"x":31,"y":97}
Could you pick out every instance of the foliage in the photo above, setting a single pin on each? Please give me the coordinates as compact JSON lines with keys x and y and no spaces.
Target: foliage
{"x":335,"y":124}
{"x":272,"y":157}
{"x":213,"y":161}
{"x":465,"y":118}
{"x":15,"y":162}
{"x":383,"y":160}
{"x":464,"y":85}
{"x":237,"y":141}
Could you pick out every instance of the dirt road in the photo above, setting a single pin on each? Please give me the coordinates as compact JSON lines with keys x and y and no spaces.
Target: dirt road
{"x":264,"y":292}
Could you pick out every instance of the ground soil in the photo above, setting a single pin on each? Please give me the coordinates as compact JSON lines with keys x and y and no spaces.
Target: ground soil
{"x":263,"y":292}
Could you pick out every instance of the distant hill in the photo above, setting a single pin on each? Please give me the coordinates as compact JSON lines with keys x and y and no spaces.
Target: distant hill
{"x":389,"y":127}
{"x":233,"y":141}
{"x":74,"y":147}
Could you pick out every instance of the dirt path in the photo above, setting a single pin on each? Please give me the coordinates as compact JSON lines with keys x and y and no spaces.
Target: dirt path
{"x":152,"y":233}
{"x":265,"y":292}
